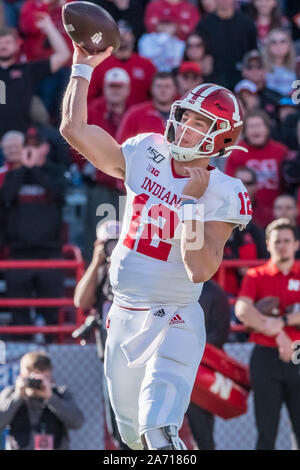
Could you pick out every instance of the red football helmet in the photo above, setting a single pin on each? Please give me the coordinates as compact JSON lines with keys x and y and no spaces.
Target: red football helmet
{"x":221,"y":107}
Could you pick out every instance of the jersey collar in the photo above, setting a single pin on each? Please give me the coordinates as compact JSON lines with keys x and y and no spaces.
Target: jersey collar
{"x":273,"y":269}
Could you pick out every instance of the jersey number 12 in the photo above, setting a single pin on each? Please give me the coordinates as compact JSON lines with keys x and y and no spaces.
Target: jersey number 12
{"x":151,"y":232}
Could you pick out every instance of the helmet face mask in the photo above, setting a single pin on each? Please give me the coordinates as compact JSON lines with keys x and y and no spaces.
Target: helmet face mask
{"x":219,"y":108}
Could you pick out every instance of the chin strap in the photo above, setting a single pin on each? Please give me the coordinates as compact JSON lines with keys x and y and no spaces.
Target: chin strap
{"x":229,"y":150}
{"x":222,"y":153}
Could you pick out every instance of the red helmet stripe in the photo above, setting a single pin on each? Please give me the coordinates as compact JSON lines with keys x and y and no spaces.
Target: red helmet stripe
{"x":203,"y":91}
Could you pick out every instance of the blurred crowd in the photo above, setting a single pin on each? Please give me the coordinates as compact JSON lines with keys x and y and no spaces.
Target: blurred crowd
{"x":49,"y":193}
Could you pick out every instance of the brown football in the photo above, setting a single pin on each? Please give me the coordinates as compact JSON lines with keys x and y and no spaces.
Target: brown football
{"x":90,"y":26}
{"x":268,"y":305}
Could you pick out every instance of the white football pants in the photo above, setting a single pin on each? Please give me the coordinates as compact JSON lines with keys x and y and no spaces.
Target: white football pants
{"x":157,"y":394}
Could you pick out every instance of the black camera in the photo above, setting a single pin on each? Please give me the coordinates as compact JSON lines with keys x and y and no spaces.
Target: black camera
{"x":109,"y":245}
{"x":34,"y":383}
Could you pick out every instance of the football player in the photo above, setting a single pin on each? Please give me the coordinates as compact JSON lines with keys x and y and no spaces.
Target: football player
{"x":179,"y":214}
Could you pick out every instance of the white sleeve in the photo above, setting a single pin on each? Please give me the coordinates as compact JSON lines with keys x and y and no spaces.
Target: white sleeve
{"x":230,"y":204}
{"x":130,"y":149}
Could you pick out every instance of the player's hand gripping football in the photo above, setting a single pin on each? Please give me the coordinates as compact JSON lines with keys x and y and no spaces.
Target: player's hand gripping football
{"x":198,"y":182}
{"x":81,"y":56}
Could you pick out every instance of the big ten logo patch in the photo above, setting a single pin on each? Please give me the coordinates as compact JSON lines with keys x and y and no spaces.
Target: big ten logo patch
{"x":152,"y":170}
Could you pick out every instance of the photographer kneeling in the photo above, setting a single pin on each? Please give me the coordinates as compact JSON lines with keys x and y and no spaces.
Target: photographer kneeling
{"x":93,"y":292}
{"x":38,"y":412}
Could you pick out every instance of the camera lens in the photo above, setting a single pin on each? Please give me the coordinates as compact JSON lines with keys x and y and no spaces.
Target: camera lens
{"x":109,"y":246}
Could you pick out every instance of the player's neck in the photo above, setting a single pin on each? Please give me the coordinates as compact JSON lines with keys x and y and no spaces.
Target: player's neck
{"x":284,"y":266}
{"x":7,"y":62}
{"x":116,"y":108}
{"x":179,"y":167}
{"x":225,"y":13}
{"x":163,"y":107}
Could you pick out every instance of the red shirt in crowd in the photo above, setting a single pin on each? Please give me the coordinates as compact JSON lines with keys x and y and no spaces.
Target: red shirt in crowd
{"x":35,"y":43}
{"x":140,"y":70}
{"x":99,"y":114}
{"x":244,"y":249}
{"x":267,"y":280}
{"x":140,"y":119}
{"x":266,"y":162}
{"x":183,"y":13}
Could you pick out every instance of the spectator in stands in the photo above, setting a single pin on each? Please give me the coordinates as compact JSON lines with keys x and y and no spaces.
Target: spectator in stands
{"x":32,"y":193}
{"x":286,"y":108}
{"x":291,"y":168}
{"x":38,"y":412}
{"x":206,"y":6}
{"x":274,"y":377}
{"x":140,"y":69}
{"x":36,"y":47}
{"x":289,"y":130}
{"x":267,"y":16}
{"x":279,"y":56}
{"x":21,"y":79}
{"x":185,"y":15}
{"x":188,"y":77}
{"x":12,"y":12}
{"x":152,"y":115}
{"x":292,"y":9}
{"x":196,"y":51}
{"x":1,"y":14}
{"x":131,"y":11}
{"x":265,"y":156}
{"x":285,"y":206}
{"x":107,"y":111}
{"x":246,"y":91}
{"x":240,"y":34}
{"x":214,"y":303}
{"x":58,"y":151}
{"x":163,"y":47}
{"x":253,"y":69}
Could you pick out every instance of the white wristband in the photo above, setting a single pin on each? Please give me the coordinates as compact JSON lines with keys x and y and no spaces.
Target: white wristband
{"x":192,"y":212}
{"x":189,"y":197}
{"x":83,"y":71}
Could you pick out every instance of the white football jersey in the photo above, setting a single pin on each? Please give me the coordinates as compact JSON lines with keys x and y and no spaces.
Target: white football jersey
{"x":146,"y":265}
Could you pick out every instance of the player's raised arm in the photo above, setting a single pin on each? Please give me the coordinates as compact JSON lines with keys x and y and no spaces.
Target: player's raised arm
{"x":91,"y":141}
